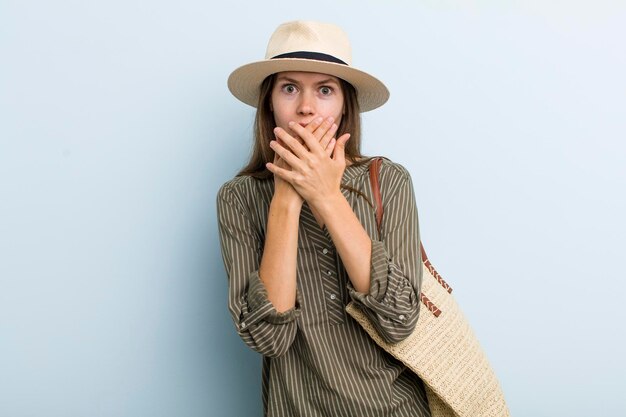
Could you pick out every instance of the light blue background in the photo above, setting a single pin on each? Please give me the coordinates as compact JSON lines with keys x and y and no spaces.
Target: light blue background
{"x":116,"y":130}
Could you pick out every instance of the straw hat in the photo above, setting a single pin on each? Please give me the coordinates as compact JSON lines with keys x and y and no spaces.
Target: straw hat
{"x":312,"y":47}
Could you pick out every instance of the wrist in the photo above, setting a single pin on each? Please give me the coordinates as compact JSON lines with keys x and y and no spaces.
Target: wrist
{"x":328,"y":204}
{"x":286,"y":204}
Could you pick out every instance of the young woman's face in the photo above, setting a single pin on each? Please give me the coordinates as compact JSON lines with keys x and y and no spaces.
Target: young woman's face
{"x":304,"y":96}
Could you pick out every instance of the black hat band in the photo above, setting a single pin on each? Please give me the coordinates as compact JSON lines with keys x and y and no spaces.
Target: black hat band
{"x":317,"y":56}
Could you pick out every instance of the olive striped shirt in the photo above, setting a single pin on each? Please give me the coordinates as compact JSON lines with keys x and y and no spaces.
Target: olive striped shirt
{"x":317,"y":361}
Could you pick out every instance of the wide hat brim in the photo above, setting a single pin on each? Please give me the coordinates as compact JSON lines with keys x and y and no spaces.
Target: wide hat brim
{"x":244,"y":83}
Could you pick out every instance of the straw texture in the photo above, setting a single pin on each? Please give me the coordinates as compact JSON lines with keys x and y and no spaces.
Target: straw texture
{"x":313,"y":37}
{"x":442,"y":350}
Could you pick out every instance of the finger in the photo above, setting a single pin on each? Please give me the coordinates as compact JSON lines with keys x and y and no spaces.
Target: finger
{"x":311,"y":127}
{"x":280,"y":172}
{"x":339,"y":154}
{"x":290,"y":142}
{"x":309,"y":139}
{"x":323,"y":128}
{"x":285,"y":154}
{"x":278,"y":161}
{"x":331,"y":147}
{"x":315,"y":124}
{"x":325,"y":140}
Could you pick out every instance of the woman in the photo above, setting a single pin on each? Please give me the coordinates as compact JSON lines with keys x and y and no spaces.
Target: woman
{"x":299,"y":237}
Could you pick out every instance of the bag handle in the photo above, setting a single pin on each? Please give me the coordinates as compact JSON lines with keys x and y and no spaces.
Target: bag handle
{"x":375,"y":183}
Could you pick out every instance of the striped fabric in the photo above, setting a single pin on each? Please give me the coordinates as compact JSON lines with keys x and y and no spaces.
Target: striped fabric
{"x":318,"y":361}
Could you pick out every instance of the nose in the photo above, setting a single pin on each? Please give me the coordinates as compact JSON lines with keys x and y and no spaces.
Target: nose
{"x":306,"y":105}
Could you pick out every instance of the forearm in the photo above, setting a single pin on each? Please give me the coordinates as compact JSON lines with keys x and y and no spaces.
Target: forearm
{"x":350,"y":238}
{"x":278,"y":264}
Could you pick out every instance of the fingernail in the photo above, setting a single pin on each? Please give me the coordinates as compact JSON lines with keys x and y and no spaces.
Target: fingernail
{"x":276,"y":129}
{"x":319,"y":119}
{"x":292,"y":123}
{"x":331,"y":119}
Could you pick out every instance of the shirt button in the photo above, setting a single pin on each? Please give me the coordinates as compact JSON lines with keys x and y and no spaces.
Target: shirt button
{"x":325,"y":251}
{"x":243,"y":324}
{"x":333,"y":296}
{"x":329,"y":272}
{"x":401,"y":317}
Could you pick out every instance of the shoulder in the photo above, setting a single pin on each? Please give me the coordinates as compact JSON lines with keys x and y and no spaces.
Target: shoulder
{"x":393,"y":177}
{"x":240,"y":191}
{"x":238,"y":185}
{"x":394,"y":170}
{"x":359,"y":173}
{"x":395,"y":182}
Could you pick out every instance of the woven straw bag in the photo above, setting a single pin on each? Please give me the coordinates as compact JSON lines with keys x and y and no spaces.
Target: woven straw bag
{"x":442,"y":350}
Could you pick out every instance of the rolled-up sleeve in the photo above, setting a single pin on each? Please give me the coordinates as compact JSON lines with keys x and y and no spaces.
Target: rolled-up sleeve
{"x":258,"y":323}
{"x":392,"y":303}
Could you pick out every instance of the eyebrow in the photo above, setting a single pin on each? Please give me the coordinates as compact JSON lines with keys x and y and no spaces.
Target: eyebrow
{"x":291,"y":80}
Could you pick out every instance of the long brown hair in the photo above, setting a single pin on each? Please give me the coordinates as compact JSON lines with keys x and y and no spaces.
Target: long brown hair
{"x":264,"y":125}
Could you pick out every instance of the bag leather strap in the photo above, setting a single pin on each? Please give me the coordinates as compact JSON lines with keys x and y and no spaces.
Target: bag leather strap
{"x":374,"y":169}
